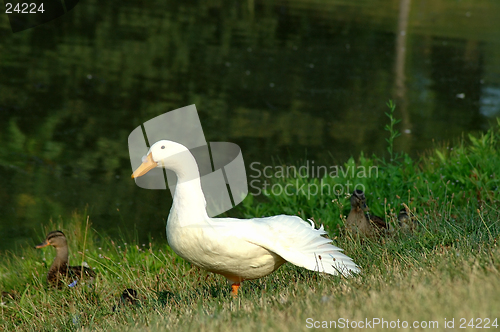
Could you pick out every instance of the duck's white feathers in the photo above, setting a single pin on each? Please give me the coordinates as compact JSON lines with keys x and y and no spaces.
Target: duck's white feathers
{"x":245,"y":249}
{"x":295,"y":241}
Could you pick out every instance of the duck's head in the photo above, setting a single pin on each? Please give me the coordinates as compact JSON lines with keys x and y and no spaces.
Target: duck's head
{"x":403,"y":215}
{"x":55,"y":239}
{"x":358,"y":199}
{"x":164,"y":153}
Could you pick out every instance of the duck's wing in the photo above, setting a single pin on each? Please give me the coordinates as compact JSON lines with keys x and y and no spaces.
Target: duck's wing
{"x":378,"y":222}
{"x":297,"y":242}
{"x":77,"y":271}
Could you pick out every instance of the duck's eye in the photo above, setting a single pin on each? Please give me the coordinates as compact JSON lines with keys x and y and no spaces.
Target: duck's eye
{"x":163,"y":146}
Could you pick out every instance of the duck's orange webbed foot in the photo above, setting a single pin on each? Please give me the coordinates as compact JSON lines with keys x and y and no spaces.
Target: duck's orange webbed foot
{"x":234,"y":289}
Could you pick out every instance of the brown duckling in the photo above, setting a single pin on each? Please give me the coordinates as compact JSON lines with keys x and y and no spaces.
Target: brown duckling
{"x":360,"y":223}
{"x":129,"y":297}
{"x":8,"y":296}
{"x":406,"y":222}
{"x":59,"y":269}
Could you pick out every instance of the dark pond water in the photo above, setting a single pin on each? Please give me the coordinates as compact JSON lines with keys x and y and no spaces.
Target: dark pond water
{"x":284,"y":80}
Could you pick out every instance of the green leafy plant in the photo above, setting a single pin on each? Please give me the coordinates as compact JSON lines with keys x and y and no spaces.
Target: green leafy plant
{"x":393,"y":133}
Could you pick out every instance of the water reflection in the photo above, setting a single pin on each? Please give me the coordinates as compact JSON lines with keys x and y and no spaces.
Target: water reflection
{"x":490,"y":101}
{"x":288,"y":80}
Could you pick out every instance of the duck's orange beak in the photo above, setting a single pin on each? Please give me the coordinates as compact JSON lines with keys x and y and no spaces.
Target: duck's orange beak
{"x":145,"y":167}
{"x":42,"y":245}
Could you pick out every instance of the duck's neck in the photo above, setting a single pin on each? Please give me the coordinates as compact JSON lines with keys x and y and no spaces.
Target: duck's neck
{"x":60,"y":263}
{"x":189,"y":204}
{"x":361,"y":217}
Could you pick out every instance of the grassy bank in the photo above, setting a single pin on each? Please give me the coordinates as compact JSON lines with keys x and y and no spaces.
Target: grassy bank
{"x":448,"y":268}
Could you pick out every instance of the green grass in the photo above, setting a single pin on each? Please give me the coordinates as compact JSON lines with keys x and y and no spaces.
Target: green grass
{"x":448,"y":268}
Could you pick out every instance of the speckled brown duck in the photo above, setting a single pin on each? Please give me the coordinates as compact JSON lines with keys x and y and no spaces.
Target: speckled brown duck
{"x":361,"y":223}
{"x":60,"y":272}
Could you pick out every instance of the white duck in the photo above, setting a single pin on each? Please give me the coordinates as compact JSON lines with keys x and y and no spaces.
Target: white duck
{"x":238,"y":249}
